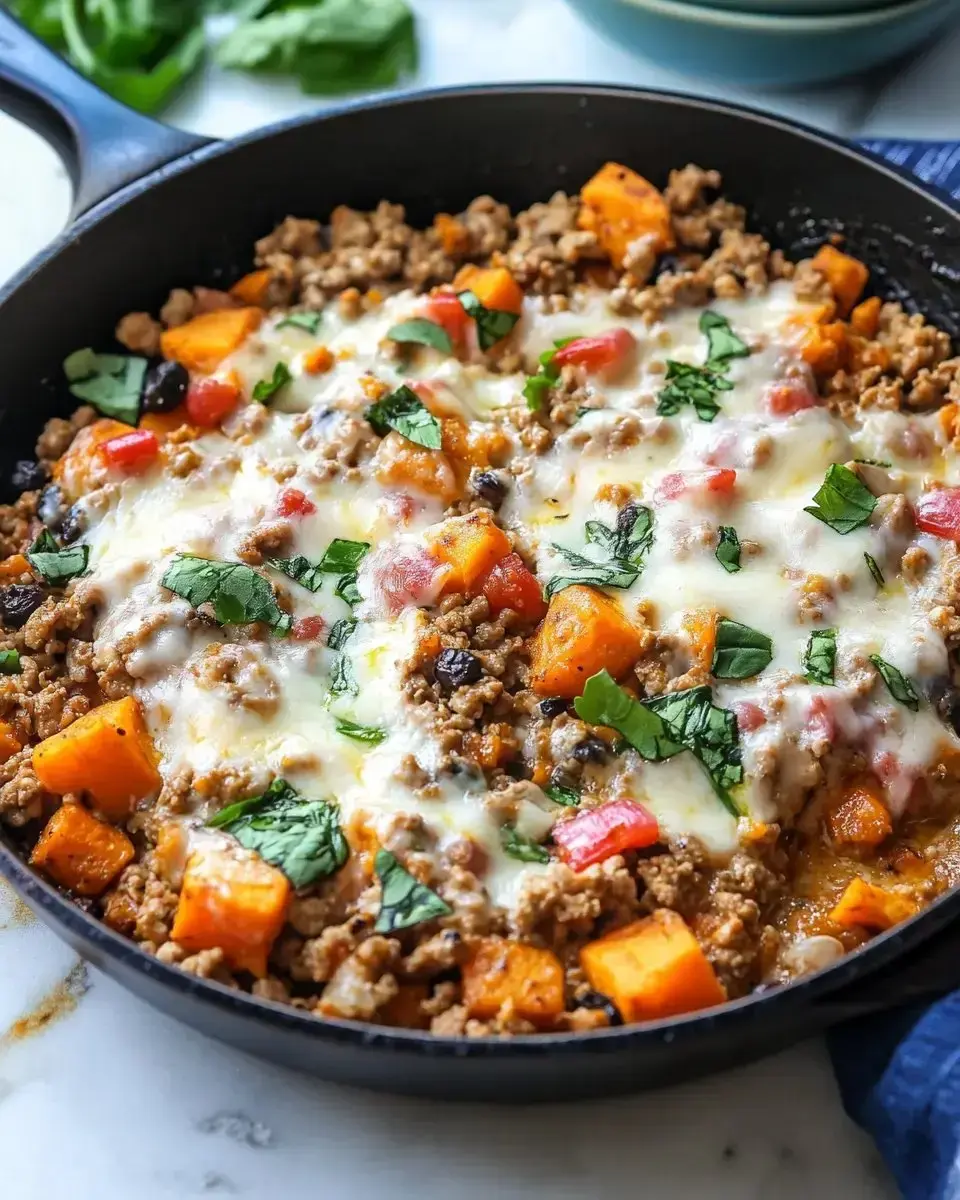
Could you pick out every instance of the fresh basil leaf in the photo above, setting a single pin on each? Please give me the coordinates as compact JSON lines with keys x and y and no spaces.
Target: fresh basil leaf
{"x":624,"y":545}
{"x":568,"y":797}
{"x":597,"y":575}
{"x":493,"y":324}
{"x":899,"y":687}
{"x":342,"y":555}
{"x":535,"y":391}
{"x":347,"y":589}
{"x":634,"y":531}
{"x":722,"y":343}
{"x":112,"y":383}
{"x":423,"y":333}
{"x":309,"y":322}
{"x":820,"y":657}
{"x":604,"y":702}
{"x":696,"y":386}
{"x":9,"y":662}
{"x":57,"y":566}
{"x":343,"y":682}
{"x":238,"y":594}
{"x":741,"y":652}
{"x":373,"y":735}
{"x":266,"y":389}
{"x":404,"y":411}
{"x":874,"y":568}
{"x":303,"y":838}
{"x":842,"y":502}
{"x":404,"y":902}
{"x":728,"y":549}
{"x":301,"y":570}
{"x":523,"y":848}
{"x":342,"y":632}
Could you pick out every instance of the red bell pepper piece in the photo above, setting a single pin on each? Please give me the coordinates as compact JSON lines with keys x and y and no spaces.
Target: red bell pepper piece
{"x":293,"y":503}
{"x":444,"y":309}
{"x":717,"y":482}
{"x":511,"y":584}
{"x":938,"y":512}
{"x":210,"y":400}
{"x":605,"y":353}
{"x":598,"y":833}
{"x":131,"y":452}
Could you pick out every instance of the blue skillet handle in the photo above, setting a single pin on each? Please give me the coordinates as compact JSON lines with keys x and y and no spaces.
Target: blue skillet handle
{"x":104,"y":144}
{"x":936,"y":164}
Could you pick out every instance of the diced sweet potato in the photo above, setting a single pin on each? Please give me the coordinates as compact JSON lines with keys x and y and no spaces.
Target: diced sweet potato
{"x":860,"y":818}
{"x":865,"y":904}
{"x":107,"y":753}
{"x":9,"y":742}
{"x":525,"y":977}
{"x":453,"y":234}
{"x":13,"y":567}
{"x":205,"y":341}
{"x":163,"y":423}
{"x":170,"y":852}
{"x":81,"y":468}
{"x":470,"y":545}
{"x":494,"y":287}
{"x":583,"y":632}
{"x":253,"y":288}
{"x":620,"y":206}
{"x":865,"y":318}
{"x":234,"y":900}
{"x":846,"y":275}
{"x":81,"y":852}
{"x":652,"y":968}
{"x":404,"y":465}
{"x":318,"y":361}
{"x":825,"y":347}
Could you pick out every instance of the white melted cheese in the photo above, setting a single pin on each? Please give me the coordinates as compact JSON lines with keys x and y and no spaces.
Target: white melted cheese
{"x":289,"y":724}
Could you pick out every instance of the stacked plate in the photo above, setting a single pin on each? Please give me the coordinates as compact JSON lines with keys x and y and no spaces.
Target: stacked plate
{"x":769,"y":43}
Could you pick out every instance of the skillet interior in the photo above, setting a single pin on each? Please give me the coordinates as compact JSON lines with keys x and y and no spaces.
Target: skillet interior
{"x":198,"y":223}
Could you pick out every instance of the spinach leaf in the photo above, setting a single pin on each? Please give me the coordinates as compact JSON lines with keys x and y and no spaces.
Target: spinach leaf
{"x":722,"y":343}
{"x":493,"y":324}
{"x":57,"y":566}
{"x":341,"y":557}
{"x":899,"y":687}
{"x":301,"y":837}
{"x":404,"y":411}
{"x":603,"y":702}
{"x":373,"y":735}
{"x":422,"y":332}
{"x":625,"y":547}
{"x":301,"y":570}
{"x":741,"y":652}
{"x":842,"y":502}
{"x":820,"y":657}
{"x":266,"y":389}
{"x":9,"y":662}
{"x":347,"y":589}
{"x":309,"y":322}
{"x":112,"y":383}
{"x":523,"y":848}
{"x":343,"y":682}
{"x":568,"y":797}
{"x":239,"y":595}
{"x":696,"y":386}
{"x":728,"y":549}
{"x":874,"y":568}
{"x":404,"y":902}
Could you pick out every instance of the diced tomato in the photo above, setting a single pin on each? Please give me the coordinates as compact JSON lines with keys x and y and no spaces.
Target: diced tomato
{"x":717,"y":482}
{"x":511,"y":584}
{"x":597,"y":833}
{"x":408,"y":577}
{"x":445,"y":310}
{"x":210,"y":400}
{"x":308,"y":629}
{"x":788,"y":398}
{"x":293,"y":503}
{"x":606,"y":353}
{"x":938,"y":512}
{"x":131,"y":452}
{"x":821,"y":722}
{"x":749,"y":716}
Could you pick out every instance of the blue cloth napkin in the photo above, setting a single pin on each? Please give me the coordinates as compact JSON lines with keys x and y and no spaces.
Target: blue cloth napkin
{"x":935,"y":163}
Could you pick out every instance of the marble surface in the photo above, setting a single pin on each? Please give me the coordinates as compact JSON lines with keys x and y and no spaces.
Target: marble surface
{"x":138,"y":1106}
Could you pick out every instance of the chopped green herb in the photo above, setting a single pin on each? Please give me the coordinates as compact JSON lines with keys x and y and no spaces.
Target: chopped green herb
{"x":820,"y":657}
{"x":842,"y":502}
{"x":405,"y":412}
{"x":493,"y":324}
{"x":266,"y":389}
{"x":309,"y":322}
{"x":874,"y":569}
{"x":239,"y":594}
{"x":347,"y":589}
{"x":568,"y":797}
{"x":9,"y":662}
{"x":422,"y":332}
{"x":342,"y":679}
{"x":341,"y":557}
{"x":899,"y":687}
{"x":342,"y":632}
{"x":741,"y":652}
{"x":404,"y":902}
{"x":301,"y":837}
{"x":624,"y":547}
{"x":112,"y":383}
{"x":373,"y":735}
{"x":301,"y":570}
{"x":722,"y":343}
{"x":696,"y":386}
{"x":873,"y":462}
{"x":57,"y":566}
{"x":536,"y":387}
{"x":728,"y":549}
{"x":604,"y":702}
{"x":523,"y":848}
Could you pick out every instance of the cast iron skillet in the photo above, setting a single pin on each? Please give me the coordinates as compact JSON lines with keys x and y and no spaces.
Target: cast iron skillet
{"x":157,"y":208}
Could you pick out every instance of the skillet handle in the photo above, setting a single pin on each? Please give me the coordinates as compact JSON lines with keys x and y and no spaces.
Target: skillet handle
{"x":935,"y":164}
{"x":104,"y":144}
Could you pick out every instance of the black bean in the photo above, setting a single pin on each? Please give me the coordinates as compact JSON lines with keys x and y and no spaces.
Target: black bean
{"x":591,"y":749}
{"x":626,"y":519}
{"x":456,"y":668}
{"x":164,"y":387}
{"x":18,"y":601}
{"x":599,"y":1000}
{"x":488,"y":485}
{"x":50,"y":507}
{"x":73,"y":525}
{"x":563,"y":779}
{"x":668,"y":264}
{"x":553,"y":706}
{"x":946,"y":700}
{"x":28,"y":475}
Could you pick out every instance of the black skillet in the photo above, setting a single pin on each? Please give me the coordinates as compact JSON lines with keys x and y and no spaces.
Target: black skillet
{"x":156,"y":208}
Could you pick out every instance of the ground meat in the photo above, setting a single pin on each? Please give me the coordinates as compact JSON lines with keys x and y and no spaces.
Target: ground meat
{"x":269,"y":539}
{"x":140,"y":333}
{"x":678,"y":880}
{"x":561,"y":906}
{"x":58,"y":434}
{"x":241,"y":675}
{"x":21,"y":795}
{"x":363,"y":982}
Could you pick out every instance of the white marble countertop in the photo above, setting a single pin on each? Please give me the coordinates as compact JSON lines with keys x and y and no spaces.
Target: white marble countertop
{"x":101,"y":1097}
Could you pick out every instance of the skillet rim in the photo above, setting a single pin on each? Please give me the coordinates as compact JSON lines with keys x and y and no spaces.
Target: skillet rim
{"x":44,"y":898}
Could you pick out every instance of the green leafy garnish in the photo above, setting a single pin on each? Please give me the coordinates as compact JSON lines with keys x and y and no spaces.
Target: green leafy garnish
{"x":568,"y":797}
{"x":342,"y":679}
{"x":422,"y":332}
{"x":820,"y":657}
{"x":57,"y":566}
{"x":9,"y":662}
{"x":309,"y":322}
{"x":493,"y":324}
{"x":842,"y":502}
{"x":239,"y":595}
{"x":899,"y":687}
{"x":874,"y":568}
{"x":536,"y":387}
{"x":341,"y":557}
{"x":404,"y":902}
{"x":342,"y":632}
{"x":873,"y":462}
{"x":266,"y":389}
{"x":347,"y":589}
{"x":624,"y":548}
{"x":696,"y":386}
{"x":722,"y":343}
{"x":741,"y":652}
{"x":523,"y":848}
{"x":405,"y":412}
{"x":301,"y":837}
{"x":112,"y":383}
{"x":728,"y":549}
{"x":301,"y":570}
{"x":373,"y":735}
